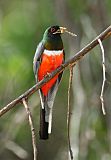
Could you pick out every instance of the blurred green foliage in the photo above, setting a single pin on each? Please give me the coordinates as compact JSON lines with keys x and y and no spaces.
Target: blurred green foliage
{"x":22,"y":24}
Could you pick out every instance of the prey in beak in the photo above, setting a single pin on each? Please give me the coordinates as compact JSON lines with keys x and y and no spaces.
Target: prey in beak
{"x":63,"y":30}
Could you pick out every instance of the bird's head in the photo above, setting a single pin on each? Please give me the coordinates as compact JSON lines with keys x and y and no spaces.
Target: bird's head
{"x":52,"y":36}
{"x":55,"y":31}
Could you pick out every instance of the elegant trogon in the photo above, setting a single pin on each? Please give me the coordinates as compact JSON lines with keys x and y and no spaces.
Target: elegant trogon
{"x":48,"y":56}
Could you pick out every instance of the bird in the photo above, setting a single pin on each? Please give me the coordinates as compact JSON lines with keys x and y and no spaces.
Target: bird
{"x":49,"y":56}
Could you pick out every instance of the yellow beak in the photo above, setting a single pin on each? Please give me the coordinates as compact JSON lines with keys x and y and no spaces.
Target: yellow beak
{"x":62,"y":29}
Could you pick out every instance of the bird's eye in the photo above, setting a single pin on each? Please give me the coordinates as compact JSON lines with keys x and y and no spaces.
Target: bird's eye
{"x":53,"y":30}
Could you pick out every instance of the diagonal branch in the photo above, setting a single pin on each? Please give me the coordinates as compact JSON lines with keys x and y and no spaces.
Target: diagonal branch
{"x":72,"y":60}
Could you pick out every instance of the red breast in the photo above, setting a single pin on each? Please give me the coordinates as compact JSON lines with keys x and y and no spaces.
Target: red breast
{"x":49,"y":62}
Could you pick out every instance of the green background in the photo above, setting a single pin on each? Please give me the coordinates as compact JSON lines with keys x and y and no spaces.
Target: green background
{"x":22,"y":24}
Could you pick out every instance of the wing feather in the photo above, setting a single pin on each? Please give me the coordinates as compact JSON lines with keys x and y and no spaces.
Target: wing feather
{"x":37,"y":58}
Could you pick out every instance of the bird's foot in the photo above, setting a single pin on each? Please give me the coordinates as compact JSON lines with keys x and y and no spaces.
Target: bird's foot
{"x":47,"y":75}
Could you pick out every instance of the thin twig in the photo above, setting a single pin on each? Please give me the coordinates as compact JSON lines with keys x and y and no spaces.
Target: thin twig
{"x":69,"y":113}
{"x":79,"y":55}
{"x":104,"y":77}
{"x":31,"y":127}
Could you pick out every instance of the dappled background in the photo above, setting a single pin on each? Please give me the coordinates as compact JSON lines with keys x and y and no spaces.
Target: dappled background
{"x":22,"y":24}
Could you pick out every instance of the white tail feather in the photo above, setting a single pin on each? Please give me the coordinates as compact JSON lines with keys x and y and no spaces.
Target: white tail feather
{"x":50,"y":121}
{"x":42,"y":104}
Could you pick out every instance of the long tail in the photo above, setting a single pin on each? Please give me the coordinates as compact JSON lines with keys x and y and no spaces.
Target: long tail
{"x":43,"y":133}
{"x":46,"y":115}
{"x":45,"y":122}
